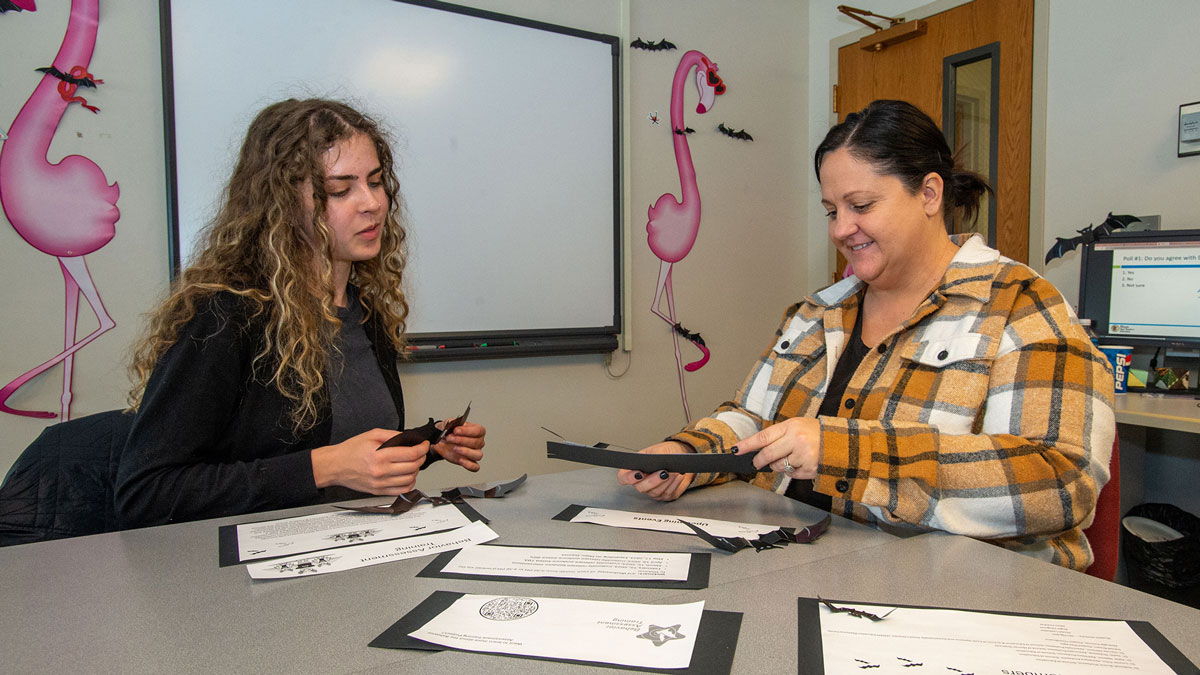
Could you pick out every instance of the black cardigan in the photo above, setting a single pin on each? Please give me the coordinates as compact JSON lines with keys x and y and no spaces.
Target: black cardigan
{"x":210,"y":439}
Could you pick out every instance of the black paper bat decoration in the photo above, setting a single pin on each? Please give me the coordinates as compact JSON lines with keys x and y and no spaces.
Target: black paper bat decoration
{"x":854,"y":612}
{"x":741,"y":135}
{"x":659,"y":46}
{"x":426,"y":432}
{"x":1089,"y":234}
{"x":688,"y":335}
{"x":77,"y":81}
{"x":685,"y":130}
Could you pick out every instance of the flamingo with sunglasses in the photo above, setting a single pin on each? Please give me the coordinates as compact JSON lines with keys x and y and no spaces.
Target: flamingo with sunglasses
{"x":673,"y":224}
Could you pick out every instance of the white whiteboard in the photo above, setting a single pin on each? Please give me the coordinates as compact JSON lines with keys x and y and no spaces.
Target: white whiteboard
{"x":506,"y":143}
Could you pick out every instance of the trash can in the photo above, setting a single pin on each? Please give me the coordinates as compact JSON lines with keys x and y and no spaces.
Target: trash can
{"x":1161,"y":545}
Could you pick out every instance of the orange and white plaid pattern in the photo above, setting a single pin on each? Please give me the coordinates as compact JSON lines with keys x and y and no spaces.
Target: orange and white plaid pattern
{"x":988,"y":413}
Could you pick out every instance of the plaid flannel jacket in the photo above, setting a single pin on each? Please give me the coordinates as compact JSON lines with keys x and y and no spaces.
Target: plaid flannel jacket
{"x":988,"y":413}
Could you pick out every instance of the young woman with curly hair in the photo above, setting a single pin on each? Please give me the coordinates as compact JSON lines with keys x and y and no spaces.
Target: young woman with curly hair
{"x":267,"y":379}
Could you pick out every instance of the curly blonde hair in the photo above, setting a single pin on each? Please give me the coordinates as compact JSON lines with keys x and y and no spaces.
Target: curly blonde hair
{"x":262,"y":248}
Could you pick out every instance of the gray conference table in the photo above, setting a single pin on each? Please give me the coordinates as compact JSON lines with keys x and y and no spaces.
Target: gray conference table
{"x":155,"y":600}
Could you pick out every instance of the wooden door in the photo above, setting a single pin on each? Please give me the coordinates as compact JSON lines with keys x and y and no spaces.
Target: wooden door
{"x":914,"y":71}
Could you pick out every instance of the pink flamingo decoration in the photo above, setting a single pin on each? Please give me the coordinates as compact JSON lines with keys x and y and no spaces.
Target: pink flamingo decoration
{"x":673,"y":224}
{"x":67,"y":209}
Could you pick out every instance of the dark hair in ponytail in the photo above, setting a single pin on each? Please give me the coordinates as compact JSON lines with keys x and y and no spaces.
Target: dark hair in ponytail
{"x":899,"y":140}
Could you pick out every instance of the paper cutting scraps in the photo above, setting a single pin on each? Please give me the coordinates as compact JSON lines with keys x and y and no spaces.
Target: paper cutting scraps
{"x":860,"y":613}
{"x":776,"y":539}
{"x":725,"y":535}
{"x":409,"y":499}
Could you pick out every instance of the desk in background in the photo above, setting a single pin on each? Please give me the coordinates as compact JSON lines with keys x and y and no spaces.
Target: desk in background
{"x":1177,"y":413}
{"x":154,"y":600}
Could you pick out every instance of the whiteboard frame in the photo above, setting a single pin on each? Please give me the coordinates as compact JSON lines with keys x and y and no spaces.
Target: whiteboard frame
{"x":457,"y":344}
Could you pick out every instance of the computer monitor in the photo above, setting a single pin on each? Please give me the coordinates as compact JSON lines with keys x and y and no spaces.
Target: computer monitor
{"x":1142,"y":288}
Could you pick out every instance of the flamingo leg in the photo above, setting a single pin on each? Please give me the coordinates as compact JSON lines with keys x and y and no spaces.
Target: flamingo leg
{"x":70,"y":328}
{"x":664,"y":284}
{"x":76,"y":269}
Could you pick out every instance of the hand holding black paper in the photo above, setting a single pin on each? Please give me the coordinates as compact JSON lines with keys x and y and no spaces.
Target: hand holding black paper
{"x":366,"y":463}
{"x":663,"y":486}
{"x":794,"y":443}
{"x":462,"y":445}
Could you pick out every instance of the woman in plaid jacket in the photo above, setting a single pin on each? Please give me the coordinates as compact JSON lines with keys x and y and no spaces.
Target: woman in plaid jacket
{"x":943,"y":386}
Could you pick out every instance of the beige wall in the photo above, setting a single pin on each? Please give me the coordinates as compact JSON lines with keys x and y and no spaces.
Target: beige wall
{"x":747,"y":264}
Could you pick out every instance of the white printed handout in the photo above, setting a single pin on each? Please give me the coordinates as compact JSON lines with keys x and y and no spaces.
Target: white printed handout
{"x":647,"y":636}
{"x":668,"y":523}
{"x":566,"y":563}
{"x":339,"y":559}
{"x":956,"y":641}
{"x":289,"y":536}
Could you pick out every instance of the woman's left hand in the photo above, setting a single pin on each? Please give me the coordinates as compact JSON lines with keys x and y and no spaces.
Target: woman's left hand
{"x":464,"y":446}
{"x":794,"y":443}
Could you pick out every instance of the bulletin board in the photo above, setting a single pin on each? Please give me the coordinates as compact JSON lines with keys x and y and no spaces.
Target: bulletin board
{"x":507,"y":144}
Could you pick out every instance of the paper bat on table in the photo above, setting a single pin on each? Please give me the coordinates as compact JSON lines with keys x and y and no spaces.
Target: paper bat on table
{"x":862,"y":614}
{"x":1089,"y":234}
{"x":659,"y":46}
{"x":777,"y":539}
{"x":742,"y":135}
{"x":405,"y":502}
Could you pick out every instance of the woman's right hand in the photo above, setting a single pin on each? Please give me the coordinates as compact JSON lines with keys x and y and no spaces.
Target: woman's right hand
{"x":360,"y":464}
{"x":664,"y":485}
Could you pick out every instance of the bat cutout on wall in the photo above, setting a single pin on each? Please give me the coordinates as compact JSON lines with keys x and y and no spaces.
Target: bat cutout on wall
{"x":1089,"y":234}
{"x":86,"y":81}
{"x":695,"y":339}
{"x":741,"y":135}
{"x":639,"y":43}
{"x":685,"y":130}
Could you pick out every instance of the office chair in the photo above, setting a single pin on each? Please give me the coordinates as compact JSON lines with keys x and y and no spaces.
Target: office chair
{"x":62,"y":485}
{"x":1104,"y":534}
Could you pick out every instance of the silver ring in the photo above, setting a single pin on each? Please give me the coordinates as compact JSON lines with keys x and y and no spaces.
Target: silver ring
{"x":787,"y":466}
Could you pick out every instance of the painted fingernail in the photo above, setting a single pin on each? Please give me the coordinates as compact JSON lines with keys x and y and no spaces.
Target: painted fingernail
{"x":663,"y":475}
{"x":638,"y":476}
{"x":733,"y":450}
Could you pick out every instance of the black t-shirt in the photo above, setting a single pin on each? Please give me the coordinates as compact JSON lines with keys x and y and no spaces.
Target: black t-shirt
{"x":856,"y":350}
{"x":357,"y":392}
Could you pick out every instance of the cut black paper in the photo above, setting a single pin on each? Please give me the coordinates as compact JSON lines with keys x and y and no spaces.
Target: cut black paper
{"x":777,"y":539}
{"x":713,"y":654}
{"x":426,"y":432}
{"x":408,"y":500}
{"x":650,"y":463}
